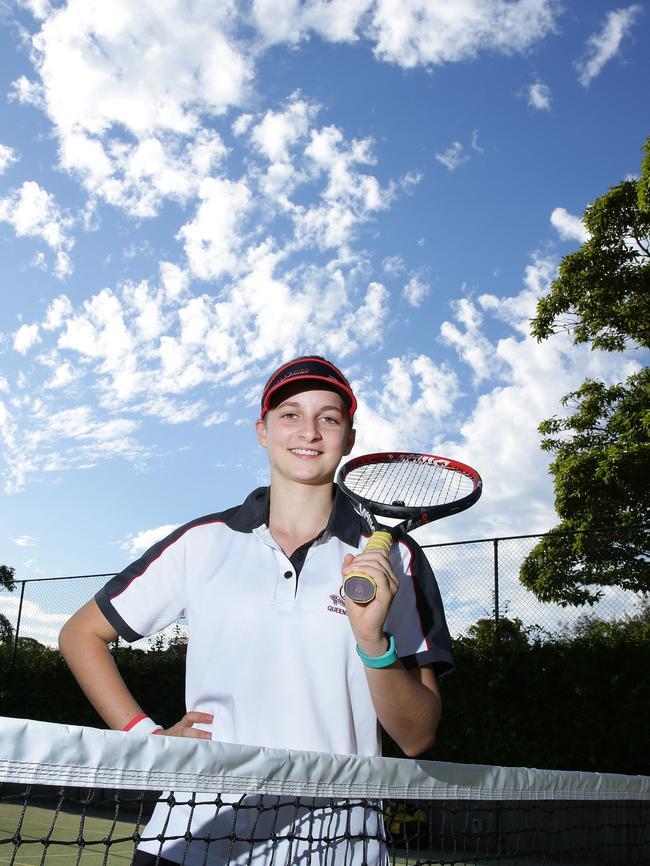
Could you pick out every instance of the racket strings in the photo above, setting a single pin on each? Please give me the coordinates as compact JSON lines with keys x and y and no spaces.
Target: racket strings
{"x":409,"y":482}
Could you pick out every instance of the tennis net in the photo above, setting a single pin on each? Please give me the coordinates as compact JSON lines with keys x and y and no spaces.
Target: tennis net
{"x":87,"y":796}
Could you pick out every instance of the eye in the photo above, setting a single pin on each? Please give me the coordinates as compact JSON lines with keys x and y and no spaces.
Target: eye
{"x":289,"y":416}
{"x":330,"y":420}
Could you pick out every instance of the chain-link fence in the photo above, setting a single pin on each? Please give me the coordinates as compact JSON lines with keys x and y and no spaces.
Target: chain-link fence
{"x":477,"y":579}
{"x":38,"y":608}
{"x":480,"y":579}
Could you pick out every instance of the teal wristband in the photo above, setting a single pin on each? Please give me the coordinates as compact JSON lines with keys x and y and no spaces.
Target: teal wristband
{"x":388,"y":658}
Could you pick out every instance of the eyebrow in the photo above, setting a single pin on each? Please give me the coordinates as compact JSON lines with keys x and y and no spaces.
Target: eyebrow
{"x":322,"y":408}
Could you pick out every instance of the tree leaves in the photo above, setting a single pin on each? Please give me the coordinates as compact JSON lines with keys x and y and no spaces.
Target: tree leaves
{"x":7,"y":577}
{"x":602,"y":293}
{"x":602,"y":450}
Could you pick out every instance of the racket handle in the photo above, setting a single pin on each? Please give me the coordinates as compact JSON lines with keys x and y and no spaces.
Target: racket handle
{"x":358,"y":586}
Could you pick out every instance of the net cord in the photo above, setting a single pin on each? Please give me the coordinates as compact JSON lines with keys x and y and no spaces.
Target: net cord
{"x":45,"y":753}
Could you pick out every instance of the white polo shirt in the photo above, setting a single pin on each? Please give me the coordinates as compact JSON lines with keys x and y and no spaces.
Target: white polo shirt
{"x":270,"y":652}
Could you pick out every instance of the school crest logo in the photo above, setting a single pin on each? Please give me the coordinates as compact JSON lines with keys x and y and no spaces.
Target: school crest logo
{"x":337,"y":605}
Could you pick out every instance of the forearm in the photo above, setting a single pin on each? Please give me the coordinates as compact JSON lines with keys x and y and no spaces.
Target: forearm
{"x":94,"y":668}
{"x":407,"y":703}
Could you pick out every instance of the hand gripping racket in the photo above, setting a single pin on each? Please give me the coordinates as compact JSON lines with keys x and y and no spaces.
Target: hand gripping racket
{"x":418,"y":488}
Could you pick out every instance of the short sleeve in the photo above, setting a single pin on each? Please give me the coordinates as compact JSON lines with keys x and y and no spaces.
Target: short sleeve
{"x":416,"y":617}
{"x":150,"y":593}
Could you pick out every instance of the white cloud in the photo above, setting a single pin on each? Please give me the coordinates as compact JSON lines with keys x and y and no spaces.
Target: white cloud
{"x":212,"y":240}
{"x":453,"y":156}
{"x":414,"y":397}
{"x":475,"y":145}
{"x":27,"y":92}
{"x":63,"y":375}
{"x":174,"y":280}
{"x":216,"y":418}
{"x":568,"y":226}
{"x":24,"y":541}
{"x":410,"y":180}
{"x":39,"y":8}
{"x":144,"y":68}
{"x":136,"y":545}
{"x":518,"y":382}
{"x":33,"y":212}
{"x":416,"y":290}
{"x":539,"y":96}
{"x":290,"y":21}
{"x":500,"y":436}
{"x":144,"y":352}
{"x":132,"y":90}
{"x":350,"y":196}
{"x":420,"y":32}
{"x":41,"y":437}
{"x":278,"y":131}
{"x":475,"y":349}
{"x":242,"y":124}
{"x":410,"y":32}
{"x":25,"y":337}
{"x":153,"y":72}
{"x":394,"y":266}
{"x":172,"y":412}
{"x":601,"y":47}
{"x":7,"y":157}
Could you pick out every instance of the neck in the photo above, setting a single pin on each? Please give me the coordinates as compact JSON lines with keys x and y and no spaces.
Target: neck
{"x":299,"y":511}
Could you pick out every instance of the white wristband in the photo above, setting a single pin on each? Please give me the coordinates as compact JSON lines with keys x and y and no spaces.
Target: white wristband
{"x":142,"y":724}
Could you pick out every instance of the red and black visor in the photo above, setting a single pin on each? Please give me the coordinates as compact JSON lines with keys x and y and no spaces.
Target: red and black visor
{"x":310,"y":368}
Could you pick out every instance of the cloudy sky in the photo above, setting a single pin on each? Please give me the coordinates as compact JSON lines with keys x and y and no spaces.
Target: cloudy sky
{"x":192,"y":192}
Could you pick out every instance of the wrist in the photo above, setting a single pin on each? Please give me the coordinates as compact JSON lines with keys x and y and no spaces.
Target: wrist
{"x":387,"y":658}
{"x":374,"y":646}
{"x":142,"y":724}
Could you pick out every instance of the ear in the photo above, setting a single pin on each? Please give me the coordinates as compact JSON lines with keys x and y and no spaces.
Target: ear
{"x":260,"y":429}
{"x":349,"y":445}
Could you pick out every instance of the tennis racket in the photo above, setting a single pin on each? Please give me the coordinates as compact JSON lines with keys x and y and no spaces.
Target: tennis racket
{"x":416,"y":488}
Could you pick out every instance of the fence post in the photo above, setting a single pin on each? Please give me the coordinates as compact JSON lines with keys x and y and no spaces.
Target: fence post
{"x":20,"y":610}
{"x":495,"y":545}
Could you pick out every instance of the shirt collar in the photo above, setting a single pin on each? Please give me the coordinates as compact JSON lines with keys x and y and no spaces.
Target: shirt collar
{"x":344,"y":521}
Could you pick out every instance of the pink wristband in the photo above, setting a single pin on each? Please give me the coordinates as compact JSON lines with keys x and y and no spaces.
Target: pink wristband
{"x":142,"y":724}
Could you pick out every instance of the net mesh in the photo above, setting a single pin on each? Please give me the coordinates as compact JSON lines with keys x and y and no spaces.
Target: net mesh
{"x":85,"y":796}
{"x":413,"y":481}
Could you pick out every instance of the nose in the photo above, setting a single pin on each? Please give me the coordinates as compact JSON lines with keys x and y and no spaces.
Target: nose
{"x":310,"y":430}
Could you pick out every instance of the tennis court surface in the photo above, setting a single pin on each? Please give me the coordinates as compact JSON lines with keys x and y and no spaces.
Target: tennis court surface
{"x":72,"y":795}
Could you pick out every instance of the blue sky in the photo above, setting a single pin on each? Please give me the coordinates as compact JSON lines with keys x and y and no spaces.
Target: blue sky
{"x":191,"y":193}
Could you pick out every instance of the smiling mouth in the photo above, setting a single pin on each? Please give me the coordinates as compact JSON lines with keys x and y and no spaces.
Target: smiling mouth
{"x":304,"y":452}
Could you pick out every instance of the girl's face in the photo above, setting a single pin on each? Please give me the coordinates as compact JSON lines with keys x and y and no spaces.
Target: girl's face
{"x":306,"y":435}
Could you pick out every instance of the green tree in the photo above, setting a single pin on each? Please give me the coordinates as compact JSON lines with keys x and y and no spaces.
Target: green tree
{"x":7,"y":581}
{"x":602,"y":293}
{"x":7,"y":577}
{"x":602,"y":450}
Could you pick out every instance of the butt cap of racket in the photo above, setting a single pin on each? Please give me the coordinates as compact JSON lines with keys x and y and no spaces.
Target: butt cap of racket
{"x":361,"y":587}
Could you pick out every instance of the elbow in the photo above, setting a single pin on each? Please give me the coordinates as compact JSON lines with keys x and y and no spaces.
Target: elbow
{"x":417,"y":746}
{"x":63,"y":638}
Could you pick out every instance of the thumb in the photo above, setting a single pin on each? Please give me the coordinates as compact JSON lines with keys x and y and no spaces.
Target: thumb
{"x":347,"y":559}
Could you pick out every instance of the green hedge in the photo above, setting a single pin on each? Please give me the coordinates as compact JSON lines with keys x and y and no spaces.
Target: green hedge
{"x":575,"y":700}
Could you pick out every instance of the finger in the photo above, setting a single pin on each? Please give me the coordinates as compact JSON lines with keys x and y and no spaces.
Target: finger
{"x":196,"y":718}
{"x":372,"y":567}
{"x":374,"y":556}
{"x":196,"y":734}
{"x":190,"y":733}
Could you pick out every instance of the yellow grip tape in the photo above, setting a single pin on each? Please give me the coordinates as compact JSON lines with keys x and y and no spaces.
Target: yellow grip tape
{"x":380,"y":541}
{"x":366,"y":589}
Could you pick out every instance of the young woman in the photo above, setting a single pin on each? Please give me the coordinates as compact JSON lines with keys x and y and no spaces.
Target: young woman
{"x":276,"y":656}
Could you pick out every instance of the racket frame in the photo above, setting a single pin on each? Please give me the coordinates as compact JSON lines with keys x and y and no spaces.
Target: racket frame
{"x":362,"y":588}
